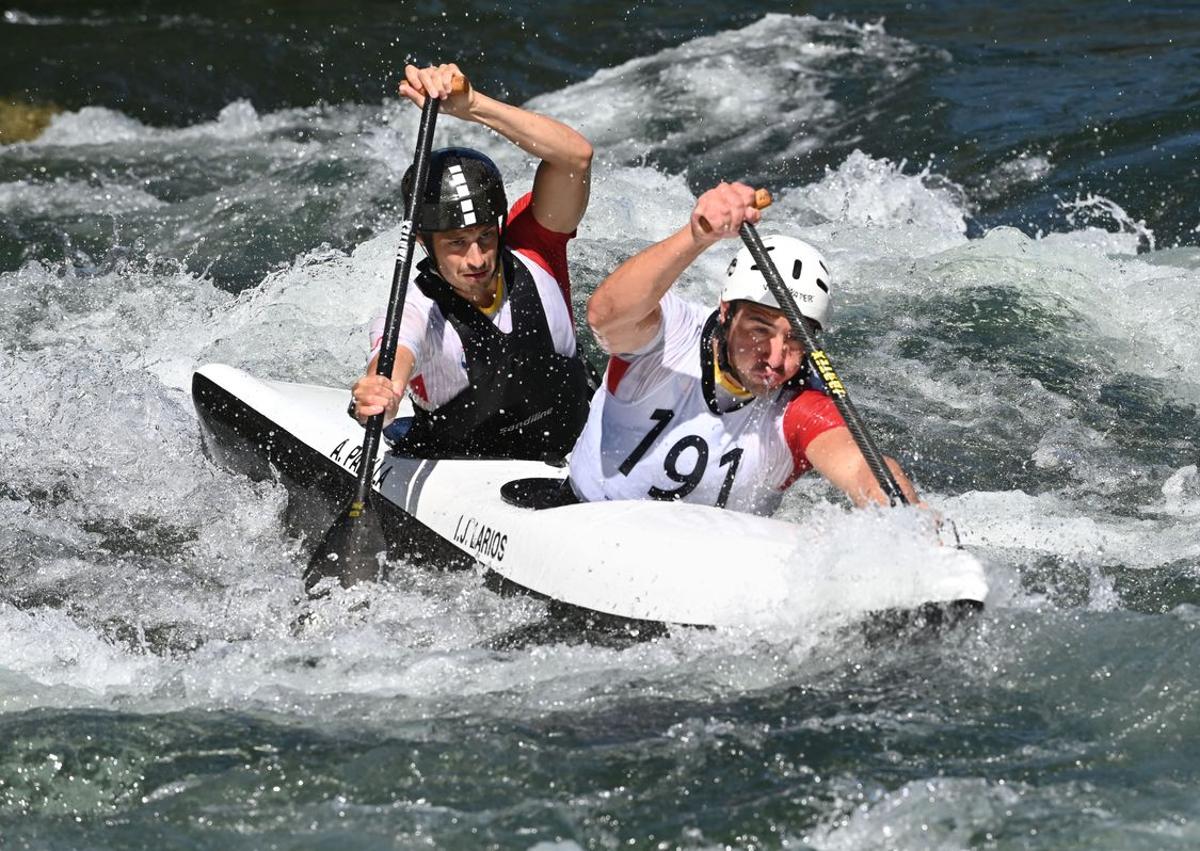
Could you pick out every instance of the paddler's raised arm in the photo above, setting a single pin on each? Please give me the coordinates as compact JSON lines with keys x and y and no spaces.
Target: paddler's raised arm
{"x":623,"y":312}
{"x":563,"y":180}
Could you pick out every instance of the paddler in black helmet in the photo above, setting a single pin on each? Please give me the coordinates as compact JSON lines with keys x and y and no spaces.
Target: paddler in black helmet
{"x":487,"y":338}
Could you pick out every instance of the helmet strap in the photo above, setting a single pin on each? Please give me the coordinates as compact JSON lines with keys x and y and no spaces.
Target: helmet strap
{"x":427,"y":244}
{"x":722,"y":337}
{"x":800,"y":379}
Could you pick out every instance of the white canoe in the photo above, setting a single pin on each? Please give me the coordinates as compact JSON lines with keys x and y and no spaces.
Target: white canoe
{"x":666,"y":563}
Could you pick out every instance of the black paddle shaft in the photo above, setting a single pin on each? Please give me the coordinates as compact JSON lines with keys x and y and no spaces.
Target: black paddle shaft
{"x":395,"y":308}
{"x":820,"y":362}
{"x":348,"y":550}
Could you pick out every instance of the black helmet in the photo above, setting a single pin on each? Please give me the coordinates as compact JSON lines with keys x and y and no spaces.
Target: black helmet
{"x":464,"y":189}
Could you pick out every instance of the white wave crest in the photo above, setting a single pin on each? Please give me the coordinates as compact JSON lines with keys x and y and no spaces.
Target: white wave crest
{"x":1091,"y":208}
{"x":61,"y":196}
{"x":91,"y":125}
{"x":761,"y":88}
{"x":876,"y":193}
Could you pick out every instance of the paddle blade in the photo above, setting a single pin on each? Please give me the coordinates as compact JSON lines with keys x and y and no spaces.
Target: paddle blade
{"x":349,"y":552}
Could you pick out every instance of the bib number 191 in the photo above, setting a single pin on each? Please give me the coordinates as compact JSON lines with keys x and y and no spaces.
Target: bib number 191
{"x":690,"y":479}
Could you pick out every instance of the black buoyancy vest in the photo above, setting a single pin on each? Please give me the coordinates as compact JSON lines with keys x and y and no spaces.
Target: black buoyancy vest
{"x":522,"y":400}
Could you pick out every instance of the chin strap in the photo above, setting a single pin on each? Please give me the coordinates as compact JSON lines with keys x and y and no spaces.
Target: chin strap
{"x":800,"y":379}
{"x":427,"y":243}
{"x":722,"y":335}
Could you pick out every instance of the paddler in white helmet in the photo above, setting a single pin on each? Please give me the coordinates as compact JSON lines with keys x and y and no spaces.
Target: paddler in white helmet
{"x":487,"y":337}
{"x":714,"y":406}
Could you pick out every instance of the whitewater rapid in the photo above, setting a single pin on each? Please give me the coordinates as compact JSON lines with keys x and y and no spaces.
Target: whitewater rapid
{"x":1039,"y":385}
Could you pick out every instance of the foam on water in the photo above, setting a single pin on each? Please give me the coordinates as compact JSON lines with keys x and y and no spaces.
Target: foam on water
{"x":1142,"y":309}
{"x":20,"y":17}
{"x":66,"y":196}
{"x":232,"y":198}
{"x":763,"y":90}
{"x":94,"y":125}
{"x":1026,"y":168}
{"x":939,"y":813}
{"x":921,"y":211}
{"x":1054,"y":525}
{"x":1181,"y":494}
{"x":60,"y":662}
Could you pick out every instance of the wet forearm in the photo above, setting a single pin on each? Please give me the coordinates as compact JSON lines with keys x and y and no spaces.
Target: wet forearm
{"x":538,"y":135}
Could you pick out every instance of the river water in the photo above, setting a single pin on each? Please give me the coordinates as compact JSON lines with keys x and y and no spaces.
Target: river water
{"x":1009,"y":199}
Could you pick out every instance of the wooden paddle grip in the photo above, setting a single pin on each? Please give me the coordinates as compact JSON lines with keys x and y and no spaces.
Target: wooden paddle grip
{"x":762,"y":200}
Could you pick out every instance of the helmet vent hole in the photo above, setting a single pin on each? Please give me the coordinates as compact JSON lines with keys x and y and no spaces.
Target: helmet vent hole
{"x":797,"y":268}
{"x":822,"y":285}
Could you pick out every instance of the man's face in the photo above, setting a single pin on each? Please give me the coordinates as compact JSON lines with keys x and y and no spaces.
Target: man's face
{"x":467,"y":257}
{"x":762,"y":350}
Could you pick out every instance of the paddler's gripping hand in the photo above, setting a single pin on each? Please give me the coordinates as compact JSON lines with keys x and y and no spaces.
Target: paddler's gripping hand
{"x":374,"y":394}
{"x":438,"y":81}
{"x":720,"y":211}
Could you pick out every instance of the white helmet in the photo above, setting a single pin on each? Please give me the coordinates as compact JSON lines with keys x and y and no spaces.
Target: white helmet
{"x":801,"y":267}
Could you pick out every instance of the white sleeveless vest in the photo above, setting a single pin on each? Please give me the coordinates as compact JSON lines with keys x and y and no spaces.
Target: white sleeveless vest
{"x":657,"y":437}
